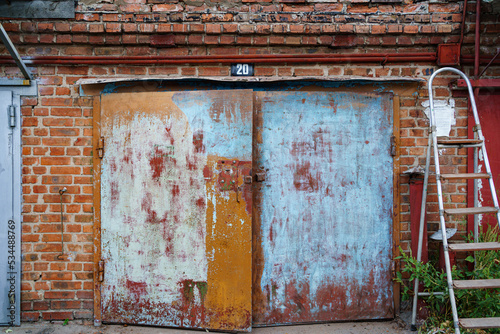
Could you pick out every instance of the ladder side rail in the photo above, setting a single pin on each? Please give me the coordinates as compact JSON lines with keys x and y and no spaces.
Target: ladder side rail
{"x":476,"y":196}
{"x":442,"y":225}
{"x":423,"y":212}
{"x":440,"y":197}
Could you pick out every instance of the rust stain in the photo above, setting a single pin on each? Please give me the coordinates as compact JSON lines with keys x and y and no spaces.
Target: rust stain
{"x":304,"y":180}
{"x":161,"y":157}
{"x":137,"y":289}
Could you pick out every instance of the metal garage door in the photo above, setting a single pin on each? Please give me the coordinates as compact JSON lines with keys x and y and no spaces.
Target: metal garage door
{"x":177,"y":198}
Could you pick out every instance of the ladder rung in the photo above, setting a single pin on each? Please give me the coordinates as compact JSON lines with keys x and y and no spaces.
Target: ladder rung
{"x":477,"y":284}
{"x":459,"y":141}
{"x":474,"y":246}
{"x":465,"y":176}
{"x":471,"y":211}
{"x":480,"y":322}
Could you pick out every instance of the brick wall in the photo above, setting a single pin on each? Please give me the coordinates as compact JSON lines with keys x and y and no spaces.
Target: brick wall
{"x":57,"y":125}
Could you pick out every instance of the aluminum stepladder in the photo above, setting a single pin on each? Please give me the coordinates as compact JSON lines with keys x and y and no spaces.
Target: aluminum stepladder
{"x":478,"y":144}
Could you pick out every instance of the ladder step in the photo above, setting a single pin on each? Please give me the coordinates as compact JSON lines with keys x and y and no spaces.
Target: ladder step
{"x":465,"y":176}
{"x":474,"y":246}
{"x":459,"y":141}
{"x":471,"y":211}
{"x":480,"y":322}
{"x":477,"y":284}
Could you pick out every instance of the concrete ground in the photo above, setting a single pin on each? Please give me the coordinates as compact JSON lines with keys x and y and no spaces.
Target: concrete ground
{"x":375,"y":327}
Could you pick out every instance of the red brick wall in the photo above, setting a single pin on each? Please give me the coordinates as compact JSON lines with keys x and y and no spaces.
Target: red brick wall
{"x":57,"y":125}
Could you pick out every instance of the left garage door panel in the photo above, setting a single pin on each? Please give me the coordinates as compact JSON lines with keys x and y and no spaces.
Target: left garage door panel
{"x":175,"y":210}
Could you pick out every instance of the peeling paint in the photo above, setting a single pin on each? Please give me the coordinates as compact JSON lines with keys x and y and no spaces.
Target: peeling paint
{"x":487,"y":106}
{"x":163,"y":216}
{"x":444,"y":112}
{"x":325,"y":221}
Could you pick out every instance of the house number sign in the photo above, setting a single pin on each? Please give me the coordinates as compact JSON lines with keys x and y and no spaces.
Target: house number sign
{"x":241,"y":70}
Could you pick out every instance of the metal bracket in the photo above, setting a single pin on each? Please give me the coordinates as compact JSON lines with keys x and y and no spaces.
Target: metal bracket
{"x":12,"y":116}
{"x":393,"y":146}
{"x":100,"y":148}
{"x":228,"y":175}
{"x":260,"y":177}
{"x":100,"y":271}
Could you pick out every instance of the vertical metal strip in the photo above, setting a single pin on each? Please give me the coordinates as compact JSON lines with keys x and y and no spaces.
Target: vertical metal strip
{"x":96,"y":130}
{"x":438,"y":185}
{"x":396,"y":237}
{"x":421,"y":229}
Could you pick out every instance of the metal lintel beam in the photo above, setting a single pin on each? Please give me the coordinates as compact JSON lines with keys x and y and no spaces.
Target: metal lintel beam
{"x":14,"y":82}
{"x":13,"y":52}
{"x":480,"y":83}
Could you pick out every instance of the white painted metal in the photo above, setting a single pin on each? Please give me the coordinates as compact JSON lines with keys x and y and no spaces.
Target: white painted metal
{"x":433,"y":145}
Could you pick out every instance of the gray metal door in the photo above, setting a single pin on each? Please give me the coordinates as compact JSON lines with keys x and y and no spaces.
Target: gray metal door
{"x":10,"y":214}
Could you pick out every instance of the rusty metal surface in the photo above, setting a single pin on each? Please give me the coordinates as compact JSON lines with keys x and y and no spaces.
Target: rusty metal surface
{"x":487,"y":105}
{"x":323,"y":215}
{"x":176,"y":210}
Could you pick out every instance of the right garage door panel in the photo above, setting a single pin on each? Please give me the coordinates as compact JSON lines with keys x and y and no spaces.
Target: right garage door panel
{"x":323,"y":216}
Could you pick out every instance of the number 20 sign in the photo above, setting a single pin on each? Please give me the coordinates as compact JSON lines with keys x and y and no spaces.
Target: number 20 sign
{"x":241,"y":70}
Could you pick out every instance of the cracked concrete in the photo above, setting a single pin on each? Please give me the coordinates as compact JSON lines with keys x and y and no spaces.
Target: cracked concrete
{"x":375,"y":327}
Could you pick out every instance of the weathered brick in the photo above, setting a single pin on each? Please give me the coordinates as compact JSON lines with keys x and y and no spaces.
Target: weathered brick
{"x":162,"y":40}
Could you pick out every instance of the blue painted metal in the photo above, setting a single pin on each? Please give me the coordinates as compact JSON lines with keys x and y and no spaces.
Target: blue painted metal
{"x":289,"y":85}
{"x":324,"y":230}
{"x":10,"y":210}
{"x":51,"y":9}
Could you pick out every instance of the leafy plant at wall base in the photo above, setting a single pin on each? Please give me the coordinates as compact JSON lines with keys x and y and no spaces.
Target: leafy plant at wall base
{"x":474,"y":303}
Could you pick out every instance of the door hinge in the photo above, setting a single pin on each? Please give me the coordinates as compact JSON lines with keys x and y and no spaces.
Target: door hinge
{"x":100,"y":148}
{"x":100,"y":271}
{"x":393,"y":146}
{"x":12,"y":116}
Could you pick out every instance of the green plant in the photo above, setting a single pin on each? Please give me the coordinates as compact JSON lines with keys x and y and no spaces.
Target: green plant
{"x":475,"y":303}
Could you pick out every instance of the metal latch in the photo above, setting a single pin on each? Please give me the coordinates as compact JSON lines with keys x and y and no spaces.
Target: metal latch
{"x":100,"y":271}
{"x":100,"y":148}
{"x":12,"y":116}
{"x":260,"y":176}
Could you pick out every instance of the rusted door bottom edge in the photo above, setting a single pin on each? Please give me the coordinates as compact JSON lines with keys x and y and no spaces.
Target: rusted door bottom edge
{"x":256,"y":325}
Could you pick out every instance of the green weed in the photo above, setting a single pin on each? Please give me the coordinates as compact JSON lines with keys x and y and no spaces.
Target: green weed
{"x":477,"y":303}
